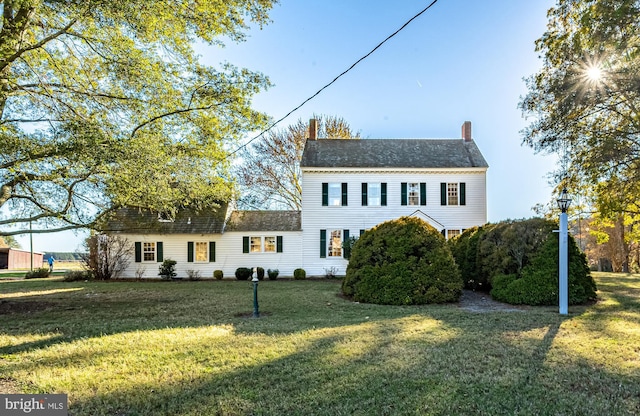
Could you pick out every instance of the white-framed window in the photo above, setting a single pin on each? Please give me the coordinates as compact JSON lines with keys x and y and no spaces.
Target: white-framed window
{"x":164,"y":216}
{"x":413,"y":193}
{"x":453,"y":233}
{"x":335,"y":243}
{"x":148,"y":251}
{"x":335,"y":194}
{"x":202,"y":251}
{"x":256,"y":244}
{"x":270,"y":244}
{"x":374,"y":194}
{"x":452,"y":193}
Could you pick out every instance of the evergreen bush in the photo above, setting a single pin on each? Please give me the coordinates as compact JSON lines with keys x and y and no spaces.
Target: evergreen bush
{"x":404,"y":261}
{"x":243,"y":273}
{"x":538,"y":284}
{"x":167,"y":269}
{"x":260,"y":273}
{"x":218,"y":275}
{"x":299,"y":274}
{"x":273,"y":274}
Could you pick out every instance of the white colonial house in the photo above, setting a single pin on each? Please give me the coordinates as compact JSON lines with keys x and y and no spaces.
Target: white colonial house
{"x":348,"y":186}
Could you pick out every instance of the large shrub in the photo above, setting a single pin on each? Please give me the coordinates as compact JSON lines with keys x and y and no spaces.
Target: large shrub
{"x":504,"y":248}
{"x":538,"y":283}
{"x":465,"y":252}
{"x":404,"y":261}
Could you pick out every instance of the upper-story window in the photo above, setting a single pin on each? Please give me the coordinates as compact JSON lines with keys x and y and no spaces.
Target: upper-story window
{"x":374,"y":194}
{"x":452,"y":193}
{"x":334,"y":194}
{"x":413,"y":193}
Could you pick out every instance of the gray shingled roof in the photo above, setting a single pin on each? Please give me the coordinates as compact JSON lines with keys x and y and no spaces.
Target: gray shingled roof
{"x":264,"y":221}
{"x":138,"y":221}
{"x":392,"y":153}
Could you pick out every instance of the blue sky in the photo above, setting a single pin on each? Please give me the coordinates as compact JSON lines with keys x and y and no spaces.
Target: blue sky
{"x":460,"y":60}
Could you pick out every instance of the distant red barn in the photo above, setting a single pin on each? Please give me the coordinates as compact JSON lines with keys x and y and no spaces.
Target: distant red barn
{"x":12,"y":258}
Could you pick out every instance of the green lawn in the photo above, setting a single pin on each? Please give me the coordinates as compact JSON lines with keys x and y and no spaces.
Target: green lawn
{"x":188,"y":348}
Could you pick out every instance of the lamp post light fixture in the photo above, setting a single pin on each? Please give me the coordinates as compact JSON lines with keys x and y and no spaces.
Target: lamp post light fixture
{"x":256,"y":312}
{"x":563,"y":276}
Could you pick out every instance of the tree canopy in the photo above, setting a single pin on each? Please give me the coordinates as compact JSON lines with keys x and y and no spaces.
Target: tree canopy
{"x":584,"y":101}
{"x":103,"y":104}
{"x":270,"y":172}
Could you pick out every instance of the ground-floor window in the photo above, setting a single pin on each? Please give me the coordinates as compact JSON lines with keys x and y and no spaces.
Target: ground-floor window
{"x":335,"y":243}
{"x":148,"y":251}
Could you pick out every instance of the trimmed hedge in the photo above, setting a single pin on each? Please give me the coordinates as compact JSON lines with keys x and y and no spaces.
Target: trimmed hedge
{"x":243,"y":273}
{"x":299,"y":274}
{"x":401,"y":262}
{"x":218,"y":274}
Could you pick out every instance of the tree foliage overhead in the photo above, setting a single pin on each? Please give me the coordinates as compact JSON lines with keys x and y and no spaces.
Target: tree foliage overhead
{"x":103,"y":103}
{"x":270,"y":173}
{"x":586,"y":97}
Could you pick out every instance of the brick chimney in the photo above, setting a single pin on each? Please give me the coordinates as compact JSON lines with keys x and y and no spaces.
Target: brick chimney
{"x":466,"y":131}
{"x":313,"y":129}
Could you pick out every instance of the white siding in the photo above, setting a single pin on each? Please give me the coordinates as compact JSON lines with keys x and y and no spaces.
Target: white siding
{"x":355,"y":217}
{"x":229,"y":255}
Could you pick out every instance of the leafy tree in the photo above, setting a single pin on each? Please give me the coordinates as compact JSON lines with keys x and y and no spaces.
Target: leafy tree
{"x":585,"y":101}
{"x":270,"y":173}
{"x":104,"y":104}
{"x":9,"y":241}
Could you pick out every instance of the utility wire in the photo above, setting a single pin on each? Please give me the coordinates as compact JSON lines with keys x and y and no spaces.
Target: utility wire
{"x":335,"y":79}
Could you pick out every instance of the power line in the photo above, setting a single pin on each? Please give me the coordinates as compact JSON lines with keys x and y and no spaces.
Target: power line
{"x":335,"y":79}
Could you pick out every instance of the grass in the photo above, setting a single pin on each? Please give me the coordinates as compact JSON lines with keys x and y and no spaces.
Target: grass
{"x":189,"y":348}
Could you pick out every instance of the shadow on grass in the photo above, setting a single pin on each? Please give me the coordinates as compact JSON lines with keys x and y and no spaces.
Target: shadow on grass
{"x":316,"y":354}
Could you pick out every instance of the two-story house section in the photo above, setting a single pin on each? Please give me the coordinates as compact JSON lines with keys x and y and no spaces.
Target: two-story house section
{"x":349,"y":186}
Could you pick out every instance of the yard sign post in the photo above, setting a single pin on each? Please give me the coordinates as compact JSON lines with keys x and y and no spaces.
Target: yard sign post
{"x":563,"y":275}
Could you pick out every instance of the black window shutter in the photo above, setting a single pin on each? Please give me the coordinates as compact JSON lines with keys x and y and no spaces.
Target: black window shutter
{"x":383,"y":194}
{"x":403,"y":193}
{"x":444,"y":233}
{"x":423,"y":193}
{"x":364,"y":195}
{"x":138,"y":255}
{"x":323,"y":243}
{"x":361,"y":232}
{"x":190,"y":251}
{"x":212,"y":251}
{"x":346,"y":251}
{"x":245,"y":244}
{"x":463,"y":196}
{"x":159,"y":257}
{"x":279,"y":244}
{"x":325,"y":194}
{"x":344,"y":194}
{"x":443,"y":193}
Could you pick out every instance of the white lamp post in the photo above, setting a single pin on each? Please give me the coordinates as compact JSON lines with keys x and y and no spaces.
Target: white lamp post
{"x":563,"y":276}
